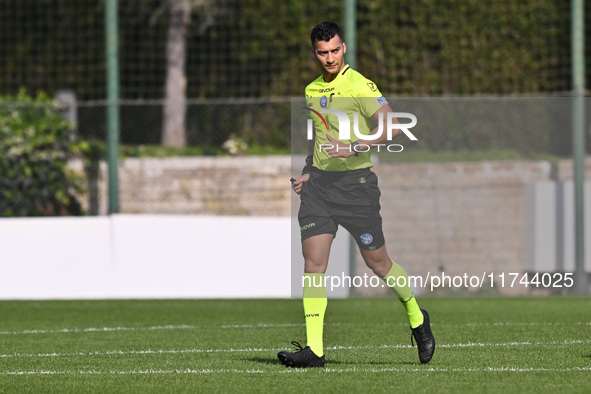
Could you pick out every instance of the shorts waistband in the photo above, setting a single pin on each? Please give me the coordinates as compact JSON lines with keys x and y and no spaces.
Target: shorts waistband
{"x":361,"y":171}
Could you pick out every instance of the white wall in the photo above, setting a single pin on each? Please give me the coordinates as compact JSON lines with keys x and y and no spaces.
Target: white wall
{"x":145,"y":256}
{"x":549,"y":238}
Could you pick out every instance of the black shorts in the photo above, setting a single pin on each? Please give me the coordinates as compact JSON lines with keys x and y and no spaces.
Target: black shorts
{"x":348,"y":198}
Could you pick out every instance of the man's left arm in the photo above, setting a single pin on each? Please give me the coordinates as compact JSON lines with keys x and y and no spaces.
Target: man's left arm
{"x":341,"y":149}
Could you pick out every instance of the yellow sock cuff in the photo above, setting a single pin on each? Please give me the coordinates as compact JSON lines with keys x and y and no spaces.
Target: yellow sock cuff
{"x":314,"y":285}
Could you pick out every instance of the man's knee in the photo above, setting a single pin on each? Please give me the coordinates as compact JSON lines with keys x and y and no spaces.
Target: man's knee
{"x":378,"y":261}
{"x":315,"y":266}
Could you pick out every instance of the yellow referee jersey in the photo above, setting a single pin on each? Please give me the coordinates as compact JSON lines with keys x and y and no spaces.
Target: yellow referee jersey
{"x":351,"y":93}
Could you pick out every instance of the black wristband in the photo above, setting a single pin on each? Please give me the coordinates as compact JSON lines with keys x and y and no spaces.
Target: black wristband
{"x":308,"y":167}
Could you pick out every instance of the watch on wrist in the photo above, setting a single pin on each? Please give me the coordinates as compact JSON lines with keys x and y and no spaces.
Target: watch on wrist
{"x":354,"y":146}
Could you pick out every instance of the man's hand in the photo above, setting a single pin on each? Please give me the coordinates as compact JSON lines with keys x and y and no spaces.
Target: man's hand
{"x":338,"y":148}
{"x":299,"y":182}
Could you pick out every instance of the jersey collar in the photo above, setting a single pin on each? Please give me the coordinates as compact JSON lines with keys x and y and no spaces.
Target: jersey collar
{"x":339,"y":76}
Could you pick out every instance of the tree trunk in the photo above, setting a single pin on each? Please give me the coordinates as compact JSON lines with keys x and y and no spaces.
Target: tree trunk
{"x":175,"y":107}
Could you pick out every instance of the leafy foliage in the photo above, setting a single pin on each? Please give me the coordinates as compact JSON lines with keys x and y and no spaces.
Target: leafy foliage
{"x":36,"y":142}
{"x":259,"y":48}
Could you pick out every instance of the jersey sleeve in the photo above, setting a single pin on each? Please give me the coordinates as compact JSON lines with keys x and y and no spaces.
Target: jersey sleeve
{"x":370,"y":99}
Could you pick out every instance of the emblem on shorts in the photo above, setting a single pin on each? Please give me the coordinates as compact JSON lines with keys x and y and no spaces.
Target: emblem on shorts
{"x":323,"y":101}
{"x":366,"y":239}
{"x":362,"y":180}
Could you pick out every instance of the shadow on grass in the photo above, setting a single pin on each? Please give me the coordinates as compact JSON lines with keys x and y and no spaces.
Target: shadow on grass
{"x":264,"y":360}
{"x":331,"y":362}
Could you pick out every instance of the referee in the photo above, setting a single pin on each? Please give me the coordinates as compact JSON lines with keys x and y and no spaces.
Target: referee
{"x":336,"y":187}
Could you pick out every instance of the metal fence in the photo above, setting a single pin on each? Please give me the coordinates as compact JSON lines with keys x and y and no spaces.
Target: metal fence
{"x":244,"y":59}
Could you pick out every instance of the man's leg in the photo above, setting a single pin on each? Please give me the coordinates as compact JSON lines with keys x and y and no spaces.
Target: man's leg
{"x":316,"y":250}
{"x":397,"y":279}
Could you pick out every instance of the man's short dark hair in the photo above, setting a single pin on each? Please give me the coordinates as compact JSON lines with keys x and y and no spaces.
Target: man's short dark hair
{"x":325,"y":31}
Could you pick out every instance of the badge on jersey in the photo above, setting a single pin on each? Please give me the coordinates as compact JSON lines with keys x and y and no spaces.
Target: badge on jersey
{"x":323,"y":101}
{"x":382,"y":101}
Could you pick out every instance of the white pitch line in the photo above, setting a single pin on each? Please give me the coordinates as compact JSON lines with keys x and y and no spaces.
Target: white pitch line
{"x":149,"y":351}
{"x":167,"y":327}
{"x":231,"y":350}
{"x":516,"y":324}
{"x":274,"y":371}
{"x":99,"y":329}
{"x":266,"y":325}
{"x":261,"y":325}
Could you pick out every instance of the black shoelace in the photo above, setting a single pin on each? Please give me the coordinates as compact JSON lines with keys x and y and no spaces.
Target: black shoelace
{"x":297,"y":345}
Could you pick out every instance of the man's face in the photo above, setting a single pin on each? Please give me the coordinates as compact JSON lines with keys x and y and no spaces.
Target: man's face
{"x":331,"y":55}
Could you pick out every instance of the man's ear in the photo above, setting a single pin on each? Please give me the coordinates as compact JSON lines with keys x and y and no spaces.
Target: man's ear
{"x":344,"y":48}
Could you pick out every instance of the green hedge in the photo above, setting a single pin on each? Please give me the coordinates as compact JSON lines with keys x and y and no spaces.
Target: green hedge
{"x":258,"y":48}
{"x":36,"y":142}
{"x":408,"y":47}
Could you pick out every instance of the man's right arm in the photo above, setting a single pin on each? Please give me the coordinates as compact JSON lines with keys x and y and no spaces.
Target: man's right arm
{"x":299,"y":181}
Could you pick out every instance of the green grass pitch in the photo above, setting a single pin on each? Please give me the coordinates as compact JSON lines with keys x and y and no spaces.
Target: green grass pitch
{"x":484,"y":345}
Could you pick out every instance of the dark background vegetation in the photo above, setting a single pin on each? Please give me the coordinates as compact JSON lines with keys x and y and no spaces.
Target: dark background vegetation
{"x":244,"y":55}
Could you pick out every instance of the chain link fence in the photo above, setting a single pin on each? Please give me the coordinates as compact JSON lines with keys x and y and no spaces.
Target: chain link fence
{"x":244,"y":59}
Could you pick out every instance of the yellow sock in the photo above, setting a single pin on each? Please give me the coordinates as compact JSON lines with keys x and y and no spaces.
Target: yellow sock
{"x":397,"y":280}
{"x":315,"y":301}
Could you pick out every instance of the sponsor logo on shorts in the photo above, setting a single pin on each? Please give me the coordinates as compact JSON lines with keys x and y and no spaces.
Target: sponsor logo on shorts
{"x":362,"y":180}
{"x":308,"y":226}
{"x":366,"y":239}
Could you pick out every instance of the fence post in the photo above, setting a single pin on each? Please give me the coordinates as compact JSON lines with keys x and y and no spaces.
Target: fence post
{"x":112,"y":44}
{"x":578,"y":118}
{"x":350,"y":31}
